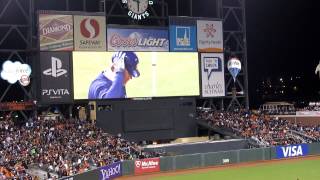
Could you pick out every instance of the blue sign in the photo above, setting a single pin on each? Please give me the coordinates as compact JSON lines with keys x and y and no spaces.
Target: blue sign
{"x":121,"y":39}
{"x":292,"y":151}
{"x":183,"y":34}
{"x":111,"y":171}
{"x":183,"y":38}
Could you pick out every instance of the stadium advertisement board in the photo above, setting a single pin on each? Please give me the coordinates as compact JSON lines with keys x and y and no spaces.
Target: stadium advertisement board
{"x":121,"y":39}
{"x":161,"y":74}
{"x":292,"y":151}
{"x":90,"y":33}
{"x":183,"y":34}
{"x":146,"y":165}
{"x":212,"y":74}
{"x":55,"y":32}
{"x":308,"y":113}
{"x":209,"y":36}
{"x":16,"y":71}
{"x":111,"y":171}
{"x":55,"y":77}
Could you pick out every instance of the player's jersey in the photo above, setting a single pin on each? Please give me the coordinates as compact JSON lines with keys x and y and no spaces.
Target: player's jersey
{"x":104,"y":88}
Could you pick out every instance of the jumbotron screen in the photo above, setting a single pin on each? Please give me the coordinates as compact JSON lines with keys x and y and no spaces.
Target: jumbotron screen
{"x":107,"y":75}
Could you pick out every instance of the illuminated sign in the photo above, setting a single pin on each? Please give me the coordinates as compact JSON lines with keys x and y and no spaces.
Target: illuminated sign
{"x":16,"y":71}
{"x":138,"y":9}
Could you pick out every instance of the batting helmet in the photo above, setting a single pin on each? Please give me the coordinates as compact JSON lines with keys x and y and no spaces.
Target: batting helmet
{"x":130,"y":61}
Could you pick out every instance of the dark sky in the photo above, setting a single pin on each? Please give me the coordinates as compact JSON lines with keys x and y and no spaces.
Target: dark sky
{"x":282,"y":40}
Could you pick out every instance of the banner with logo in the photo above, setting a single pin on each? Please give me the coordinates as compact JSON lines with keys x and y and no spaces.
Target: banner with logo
{"x":56,"y":32}
{"x":183,"y":34}
{"x":16,"y":71}
{"x":120,"y":39}
{"x":210,"y":36}
{"x":90,"y":33}
{"x":111,"y":171}
{"x":55,"y":77}
{"x":292,"y":151}
{"x":212,"y":74}
{"x":308,"y":113}
{"x":147,"y":165}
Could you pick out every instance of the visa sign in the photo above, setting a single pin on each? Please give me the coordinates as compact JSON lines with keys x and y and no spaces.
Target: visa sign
{"x":292,"y":151}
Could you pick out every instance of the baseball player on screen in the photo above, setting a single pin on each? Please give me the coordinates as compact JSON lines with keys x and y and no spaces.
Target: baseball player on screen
{"x":111,"y":82}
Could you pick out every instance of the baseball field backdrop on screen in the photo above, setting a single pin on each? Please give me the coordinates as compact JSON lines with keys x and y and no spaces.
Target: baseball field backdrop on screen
{"x":162,"y":74}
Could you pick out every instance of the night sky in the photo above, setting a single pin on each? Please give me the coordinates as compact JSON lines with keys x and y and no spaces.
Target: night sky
{"x":282,"y":41}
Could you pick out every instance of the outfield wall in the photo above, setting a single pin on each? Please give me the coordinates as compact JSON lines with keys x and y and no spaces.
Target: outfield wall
{"x":201,"y":160}
{"x":201,"y":147}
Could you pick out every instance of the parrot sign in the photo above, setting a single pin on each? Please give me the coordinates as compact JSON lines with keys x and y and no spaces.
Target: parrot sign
{"x":234,"y":67}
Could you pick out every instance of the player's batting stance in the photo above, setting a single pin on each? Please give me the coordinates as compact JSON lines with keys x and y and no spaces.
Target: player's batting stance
{"x":111,"y":82}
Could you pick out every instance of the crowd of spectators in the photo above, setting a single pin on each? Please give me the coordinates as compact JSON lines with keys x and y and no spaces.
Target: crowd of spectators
{"x":289,"y":111}
{"x":268,"y":131}
{"x":64,"y":147}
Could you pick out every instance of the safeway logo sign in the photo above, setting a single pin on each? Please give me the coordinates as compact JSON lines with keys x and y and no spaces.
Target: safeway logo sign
{"x":292,"y":151}
{"x":147,"y":165}
{"x":56,"y":68}
{"x":89,"y":28}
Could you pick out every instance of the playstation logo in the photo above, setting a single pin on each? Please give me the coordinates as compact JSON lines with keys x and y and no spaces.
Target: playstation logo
{"x":56,"y":68}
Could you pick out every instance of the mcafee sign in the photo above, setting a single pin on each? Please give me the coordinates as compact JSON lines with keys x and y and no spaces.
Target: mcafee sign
{"x":147,"y":165}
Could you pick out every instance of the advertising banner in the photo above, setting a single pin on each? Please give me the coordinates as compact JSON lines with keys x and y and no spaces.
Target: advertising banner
{"x":147,"y":165}
{"x":183,"y":34}
{"x":292,"y":151}
{"x":111,"y":171}
{"x":308,"y":113}
{"x":17,"y":106}
{"x":56,"y":32}
{"x":55,"y":77}
{"x":16,"y":71}
{"x":120,"y":39}
{"x":153,"y":74}
{"x":209,"y":36}
{"x":90,"y":33}
{"x":212,"y":74}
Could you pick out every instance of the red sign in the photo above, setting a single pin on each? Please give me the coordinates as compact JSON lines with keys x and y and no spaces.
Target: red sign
{"x":147,"y":165}
{"x":16,"y":106}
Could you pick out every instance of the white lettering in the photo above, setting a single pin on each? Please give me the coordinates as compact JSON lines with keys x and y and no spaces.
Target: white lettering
{"x":285,"y":151}
{"x":118,"y":41}
{"x":138,"y":16}
{"x":152,"y":42}
{"x":292,"y":151}
{"x":299,"y":151}
{"x":107,"y":173}
{"x":60,"y":28}
{"x":49,"y":92}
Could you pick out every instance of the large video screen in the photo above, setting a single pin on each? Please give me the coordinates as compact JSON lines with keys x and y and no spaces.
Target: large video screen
{"x":107,"y":75}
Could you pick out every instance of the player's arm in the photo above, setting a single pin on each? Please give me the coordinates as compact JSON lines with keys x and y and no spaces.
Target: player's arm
{"x":116,"y":89}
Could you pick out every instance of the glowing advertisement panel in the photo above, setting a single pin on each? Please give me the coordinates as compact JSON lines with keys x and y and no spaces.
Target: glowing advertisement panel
{"x":120,"y":39}
{"x":108,"y":75}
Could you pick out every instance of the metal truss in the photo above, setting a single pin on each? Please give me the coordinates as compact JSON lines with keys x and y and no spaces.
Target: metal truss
{"x":16,"y":42}
{"x":234,"y":24}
